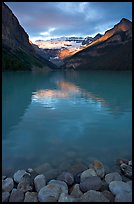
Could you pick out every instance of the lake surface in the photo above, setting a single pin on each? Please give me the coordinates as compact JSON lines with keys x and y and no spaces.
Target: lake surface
{"x":65,"y":117}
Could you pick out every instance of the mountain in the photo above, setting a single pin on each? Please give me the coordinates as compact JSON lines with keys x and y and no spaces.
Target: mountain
{"x":89,"y":40}
{"x":112,"y":51}
{"x":17,"y":51}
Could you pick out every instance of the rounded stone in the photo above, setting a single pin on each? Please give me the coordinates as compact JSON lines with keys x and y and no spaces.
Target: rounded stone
{"x":31,"y":197}
{"x":7,"y":184}
{"x":19,"y":175}
{"x":127,"y":170}
{"x":130,"y":163}
{"x":93,"y":196}
{"x":108,"y":195}
{"x":76,"y":192}
{"x":5,"y":196}
{"x":123,"y":197}
{"x":115,"y":176}
{"x":77,"y":168}
{"x":49,"y":193}
{"x":24,"y":186}
{"x":98,"y":167}
{"x":66,"y":177}
{"x":61,"y":184}
{"x":91,"y":183}
{"x":16,"y":196}
{"x":87,"y":173}
{"x":67,"y":198}
{"x":117,"y":187}
{"x":39,"y":182}
{"x":129,"y":183}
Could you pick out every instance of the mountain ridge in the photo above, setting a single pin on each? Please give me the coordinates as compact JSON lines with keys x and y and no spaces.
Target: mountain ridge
{"x":17,"y":51}
{"x":111,"y":51}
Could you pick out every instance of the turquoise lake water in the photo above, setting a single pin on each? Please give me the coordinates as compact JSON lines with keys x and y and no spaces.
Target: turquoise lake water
{"x":65,"y":116}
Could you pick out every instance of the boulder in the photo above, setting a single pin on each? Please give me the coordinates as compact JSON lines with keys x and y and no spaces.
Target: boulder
{"x":66,"y":177}
{"x":19,"y":175}
{"x":24,"y":186}
{"x":87,"y":173}
{"x":91,"y":183}
{"x":93,"y":196}
{"x":117,"y":187}
{"x":77,"y":168}
{"x":127,"y":170}
{"x":61,"y":184}
{"x":39,"y":182}
{"x":123,"y":197}
{"x":98,"y":167}
{"x":108,"y":195}
{"x":115,"y":176}
{"x":7,"y":184}
{"x":130,"y":163}
{"x":76,"y":192}
{"x":16,"y":196}
{"x":67,"y":198}
{"x":49,"y":193}
{"x":31,"y":197}
{"x":5,"y":196}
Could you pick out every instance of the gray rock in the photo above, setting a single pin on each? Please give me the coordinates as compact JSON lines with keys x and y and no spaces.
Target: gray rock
{"x":129,"y":183}
{"x":108,"y":195}
{"x":117,"y":187}
{"x":7,"y":184}
{"x":130,"y":163}
{"x":115,"y":176}
{"x":16,"y":196}
{"x":66,"y":177}
{"x":87,"y":173}
{"x":31,"y":197}
{"x":24,"y":186}
{"x":77,"y":168}
{"x":39,"y":182}
{"x":5,"y":196}
{"x":98,"y":167}
{"x":104,"y":186}
{"x":123,"y":197}
{"x":3,"y":177}
{"x":93,"y":196}
{"x":67,"y":198}
{"x":76,"y":192}
{"x":91,"y":183}
{"x":49,"y":193}
{"x":127,"y":170}
{"x":29,"y":170}
{"x":18,"y":175}
{"x":33,"y":174}
{"x":61,"y":184}
{"x":27,"y":178}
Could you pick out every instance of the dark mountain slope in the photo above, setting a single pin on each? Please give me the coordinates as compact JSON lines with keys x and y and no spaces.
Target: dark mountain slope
{"x":112,"y":51}
{"x":17,"y":52}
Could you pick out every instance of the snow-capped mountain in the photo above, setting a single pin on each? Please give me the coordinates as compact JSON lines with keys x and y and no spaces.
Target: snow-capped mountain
{"x":60,"y":43}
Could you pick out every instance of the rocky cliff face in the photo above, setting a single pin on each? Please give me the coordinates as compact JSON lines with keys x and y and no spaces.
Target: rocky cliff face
{"x":13,"y":35}
{"x":17,"y":52}
{"x":111,"y":51}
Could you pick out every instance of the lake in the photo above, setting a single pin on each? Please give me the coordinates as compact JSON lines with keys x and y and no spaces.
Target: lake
{"x":65,"y":117}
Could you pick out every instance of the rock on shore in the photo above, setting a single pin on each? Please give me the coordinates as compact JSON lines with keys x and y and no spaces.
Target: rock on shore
{"x":80,"y":184}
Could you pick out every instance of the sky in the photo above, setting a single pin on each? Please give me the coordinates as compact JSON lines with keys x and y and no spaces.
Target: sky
{"x":46,"y":20}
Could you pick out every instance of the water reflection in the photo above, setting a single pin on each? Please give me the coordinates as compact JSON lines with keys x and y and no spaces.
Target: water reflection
{"x":46,"y":115}
{"x":65,"y":90}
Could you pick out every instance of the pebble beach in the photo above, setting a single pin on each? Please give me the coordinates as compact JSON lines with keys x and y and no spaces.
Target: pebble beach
{"x":92,"y":183}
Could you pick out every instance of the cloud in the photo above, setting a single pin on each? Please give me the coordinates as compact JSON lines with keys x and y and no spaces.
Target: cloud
{"x":69,"y":18}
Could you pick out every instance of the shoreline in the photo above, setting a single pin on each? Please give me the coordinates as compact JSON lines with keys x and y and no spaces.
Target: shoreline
{"x":90,"y":184}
